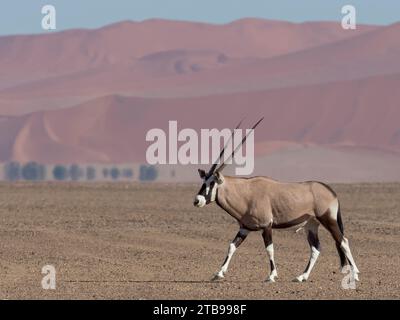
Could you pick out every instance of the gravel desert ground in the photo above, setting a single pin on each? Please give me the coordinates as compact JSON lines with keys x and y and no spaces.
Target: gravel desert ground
{"x":145,"y":241}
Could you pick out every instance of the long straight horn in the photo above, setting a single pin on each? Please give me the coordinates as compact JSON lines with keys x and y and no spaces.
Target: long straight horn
{"x":222,"y":166}
{"x":214,"y":166}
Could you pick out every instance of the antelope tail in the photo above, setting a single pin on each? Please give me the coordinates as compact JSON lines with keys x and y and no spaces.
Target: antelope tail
{"x":339,"y":220}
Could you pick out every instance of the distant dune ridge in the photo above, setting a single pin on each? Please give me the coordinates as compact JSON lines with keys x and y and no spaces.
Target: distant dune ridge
{"x":330,"y":96}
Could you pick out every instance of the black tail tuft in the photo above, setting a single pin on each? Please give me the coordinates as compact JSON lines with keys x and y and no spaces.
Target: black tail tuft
{"x":339,"y":220}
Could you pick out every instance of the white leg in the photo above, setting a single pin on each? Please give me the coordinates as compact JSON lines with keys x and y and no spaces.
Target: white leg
{"x":242,"y":234}
{"x":312,"y":237}
{"x":274,"y":273}
{"x":346,"y":248}
{"x":224,"y":268}
{"x":313,"y":258}
{"x":269,"y":246}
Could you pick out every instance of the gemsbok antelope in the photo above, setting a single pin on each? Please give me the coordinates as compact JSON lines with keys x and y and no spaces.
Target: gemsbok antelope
{"x":264,"y":204}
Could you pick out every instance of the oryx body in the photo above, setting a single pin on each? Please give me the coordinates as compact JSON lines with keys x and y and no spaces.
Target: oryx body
{"x":261,"y":203}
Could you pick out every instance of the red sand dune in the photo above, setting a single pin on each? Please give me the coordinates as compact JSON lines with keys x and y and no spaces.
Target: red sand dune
{"x":113,"y":128}
{"x":123,"y":42}
{"x":178,"y":72}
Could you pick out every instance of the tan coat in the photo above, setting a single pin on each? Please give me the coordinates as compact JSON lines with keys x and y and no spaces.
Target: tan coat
{"x":258,"y":202}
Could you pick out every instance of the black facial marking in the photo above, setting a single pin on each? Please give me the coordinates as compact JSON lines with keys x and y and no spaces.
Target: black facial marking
{"x":203,"y":189}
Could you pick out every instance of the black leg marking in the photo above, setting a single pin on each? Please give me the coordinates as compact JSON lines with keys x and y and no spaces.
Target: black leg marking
{"x":342,"y":256}
{"x":226,"y":259}
{"x":271,"y":265}
{"x":267,"y":236}
{"x":313,"y":240}
{"x":335,"y":230}
{"x":239,"y":238}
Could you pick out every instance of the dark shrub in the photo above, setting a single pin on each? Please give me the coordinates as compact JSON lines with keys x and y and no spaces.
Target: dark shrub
{"x":114,"y":172}
{"x":33,"y":171}
{"x":12,"y":171}
{"x":90,"y":173}
{"x":148,"y":173}
{"x":60,"y":172}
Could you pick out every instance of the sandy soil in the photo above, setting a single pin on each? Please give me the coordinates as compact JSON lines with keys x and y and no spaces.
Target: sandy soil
{"x":131,"y":241}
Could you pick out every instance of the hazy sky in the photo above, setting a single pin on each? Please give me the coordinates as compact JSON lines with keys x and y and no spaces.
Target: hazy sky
{"x":24,"y":16}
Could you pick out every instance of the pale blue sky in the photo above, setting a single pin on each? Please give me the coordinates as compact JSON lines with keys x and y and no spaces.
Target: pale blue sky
{"x":24,"y":16}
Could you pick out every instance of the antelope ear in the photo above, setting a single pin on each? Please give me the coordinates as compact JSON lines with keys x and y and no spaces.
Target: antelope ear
{"x":202,"y":173}
{"x":219,"y":177}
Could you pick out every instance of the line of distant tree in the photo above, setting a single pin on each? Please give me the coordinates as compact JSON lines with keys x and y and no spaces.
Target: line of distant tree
{"x":34,"y":171}
{"x":30,"y":171}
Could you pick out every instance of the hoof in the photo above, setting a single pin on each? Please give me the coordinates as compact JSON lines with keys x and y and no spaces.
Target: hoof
{"x":299,"y":279}
{"x":354,"y":272}
{"x":272,"y":276}
{"x":218,"y":277}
